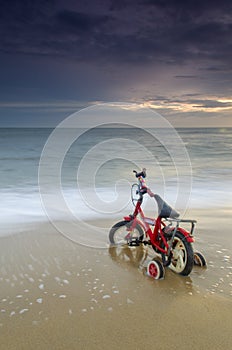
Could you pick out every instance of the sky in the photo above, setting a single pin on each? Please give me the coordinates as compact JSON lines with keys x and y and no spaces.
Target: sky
{"x":58,"y":56}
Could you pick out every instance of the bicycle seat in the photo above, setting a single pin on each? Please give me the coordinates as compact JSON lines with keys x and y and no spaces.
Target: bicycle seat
{"x":164,"y":210}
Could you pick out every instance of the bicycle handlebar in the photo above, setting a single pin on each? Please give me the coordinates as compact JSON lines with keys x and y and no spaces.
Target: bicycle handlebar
{"x":141,"y":173}
{"x":142,"y":184}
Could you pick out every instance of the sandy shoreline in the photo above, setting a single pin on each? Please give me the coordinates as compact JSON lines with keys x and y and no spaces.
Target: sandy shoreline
{"x":56,"y":294}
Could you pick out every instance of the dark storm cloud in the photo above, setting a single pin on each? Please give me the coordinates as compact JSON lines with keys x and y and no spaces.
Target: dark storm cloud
{"x":119,"y":31}
{"x":173,"y":53}
{"x":79,"y":22}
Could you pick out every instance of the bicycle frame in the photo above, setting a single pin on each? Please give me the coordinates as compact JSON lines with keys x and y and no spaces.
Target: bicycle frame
{"x":157,"y":236}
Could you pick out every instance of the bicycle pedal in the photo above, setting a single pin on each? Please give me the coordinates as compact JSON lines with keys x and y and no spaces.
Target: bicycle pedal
{"x":134,"y":243}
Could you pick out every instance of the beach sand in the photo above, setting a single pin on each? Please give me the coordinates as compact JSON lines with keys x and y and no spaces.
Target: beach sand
{"x":56,"y":294}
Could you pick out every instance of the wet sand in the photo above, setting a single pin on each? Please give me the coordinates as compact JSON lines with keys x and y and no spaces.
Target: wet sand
{"x":56,"y":294}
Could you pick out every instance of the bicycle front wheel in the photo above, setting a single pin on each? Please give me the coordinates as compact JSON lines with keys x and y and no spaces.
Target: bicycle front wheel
{"x":120,"y":233}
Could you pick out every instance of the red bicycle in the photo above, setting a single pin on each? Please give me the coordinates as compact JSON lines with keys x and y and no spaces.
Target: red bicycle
{"x":170,"y":241}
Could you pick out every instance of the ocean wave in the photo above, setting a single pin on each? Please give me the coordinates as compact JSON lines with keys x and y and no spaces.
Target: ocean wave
{"x":24,"y":205}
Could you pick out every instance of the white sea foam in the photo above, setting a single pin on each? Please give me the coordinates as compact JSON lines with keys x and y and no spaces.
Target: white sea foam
{"x":20,"y":204}
{"x":20,"y":207}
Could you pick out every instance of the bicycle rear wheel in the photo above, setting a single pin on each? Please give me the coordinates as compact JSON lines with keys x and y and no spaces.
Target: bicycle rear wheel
{"x":182,"y":258}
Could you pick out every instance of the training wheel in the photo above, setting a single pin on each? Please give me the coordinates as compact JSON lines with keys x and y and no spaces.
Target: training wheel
{"x":155,"y":269}
{"x":199,"y":259}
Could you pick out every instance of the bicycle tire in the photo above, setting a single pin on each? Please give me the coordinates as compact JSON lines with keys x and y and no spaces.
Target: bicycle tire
{"x":182,"y":256}
{"x":135,"y":193}
{"x":119,"y":237}
{"x":155,"y":269}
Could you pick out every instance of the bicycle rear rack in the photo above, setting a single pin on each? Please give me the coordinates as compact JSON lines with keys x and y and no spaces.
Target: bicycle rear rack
{"x":192,"y":222}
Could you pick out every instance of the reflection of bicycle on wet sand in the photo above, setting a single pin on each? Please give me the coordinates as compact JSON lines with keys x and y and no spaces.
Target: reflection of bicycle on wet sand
{"x":170,"y":241}
{"x":128,"y":256}
{"x":136,"y":257}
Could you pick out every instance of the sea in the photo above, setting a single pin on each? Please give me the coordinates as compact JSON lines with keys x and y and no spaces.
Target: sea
{"x":91,"y":176}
